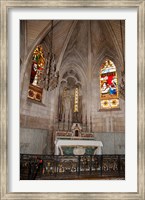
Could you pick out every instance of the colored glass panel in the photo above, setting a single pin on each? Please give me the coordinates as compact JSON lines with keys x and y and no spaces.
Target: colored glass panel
{"x":37,"y":74}
{"x":38,"y":66}
{"x":108,"y":85}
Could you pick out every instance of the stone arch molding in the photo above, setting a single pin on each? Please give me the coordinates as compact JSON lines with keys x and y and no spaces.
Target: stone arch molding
{"x":27,"y":59}
{"x":38,"y":41}
{"x":105,"y":52}
{"x":72,"y":55}
{"x":114,"y":40}
{"x":102,"y":57}
{"x":66,"y":44}
{"x":77,"y":69}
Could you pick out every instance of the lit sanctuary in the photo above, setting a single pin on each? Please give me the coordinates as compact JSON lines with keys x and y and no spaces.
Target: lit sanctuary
{"x":72,"y":99}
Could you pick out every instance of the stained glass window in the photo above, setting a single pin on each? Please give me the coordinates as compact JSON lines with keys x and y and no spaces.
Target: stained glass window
{"x":108,"y":86}
{"x":37,"y":74}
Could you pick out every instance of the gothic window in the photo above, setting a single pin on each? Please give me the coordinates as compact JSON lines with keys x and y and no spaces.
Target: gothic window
{"x":108,"y":86}
{"x":76,"y":100}
{"x":37,"y":74}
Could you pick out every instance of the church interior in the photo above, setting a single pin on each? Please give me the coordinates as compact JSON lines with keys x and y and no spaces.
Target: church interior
{"x":72,"y":99}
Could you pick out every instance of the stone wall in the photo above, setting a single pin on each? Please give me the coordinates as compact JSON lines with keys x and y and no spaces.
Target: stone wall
{"x":40,"y":141}
{"x":113,"y":143}
{"x":82,"y":46}
{"x":35,"y":141}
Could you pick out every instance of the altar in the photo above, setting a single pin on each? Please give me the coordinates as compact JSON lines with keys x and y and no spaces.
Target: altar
{"x":82,"y":143}
{"x":78,"y":147}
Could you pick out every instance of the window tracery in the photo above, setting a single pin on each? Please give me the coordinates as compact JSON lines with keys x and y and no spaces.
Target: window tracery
{"x":37,"y":74}
{"x":108,"y":86}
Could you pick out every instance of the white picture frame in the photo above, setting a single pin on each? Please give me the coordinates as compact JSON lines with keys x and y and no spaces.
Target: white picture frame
{"x":4,"y":100}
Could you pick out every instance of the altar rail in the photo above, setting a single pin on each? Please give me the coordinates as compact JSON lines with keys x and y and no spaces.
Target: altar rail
{"x":52,"y":167}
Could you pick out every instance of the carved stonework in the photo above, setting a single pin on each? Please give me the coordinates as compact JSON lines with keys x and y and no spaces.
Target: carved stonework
{"x":122,"y":86}
{"x":79,"y":151}
{"x":76,"y":129}
{"x":51,"y":76}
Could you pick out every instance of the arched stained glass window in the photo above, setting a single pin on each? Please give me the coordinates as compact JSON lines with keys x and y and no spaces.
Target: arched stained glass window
{"x":108,"y":86}
{"x":37,"y":74}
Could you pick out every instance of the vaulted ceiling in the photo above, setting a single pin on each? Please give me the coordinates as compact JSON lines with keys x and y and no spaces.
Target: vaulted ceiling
{"x":79,"y":42}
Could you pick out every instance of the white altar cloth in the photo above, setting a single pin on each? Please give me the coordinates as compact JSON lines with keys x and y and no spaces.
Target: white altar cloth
{"x":65,"y":142}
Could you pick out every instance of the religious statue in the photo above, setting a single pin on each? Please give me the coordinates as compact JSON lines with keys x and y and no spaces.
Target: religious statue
{"x":67,"y":106}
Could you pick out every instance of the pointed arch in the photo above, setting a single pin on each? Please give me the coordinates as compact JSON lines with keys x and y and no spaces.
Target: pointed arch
{"x":109,"y":96}
{"x":37,"y":74}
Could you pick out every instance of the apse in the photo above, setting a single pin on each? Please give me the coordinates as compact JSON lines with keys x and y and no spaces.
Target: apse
{"x":72,"y":96}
